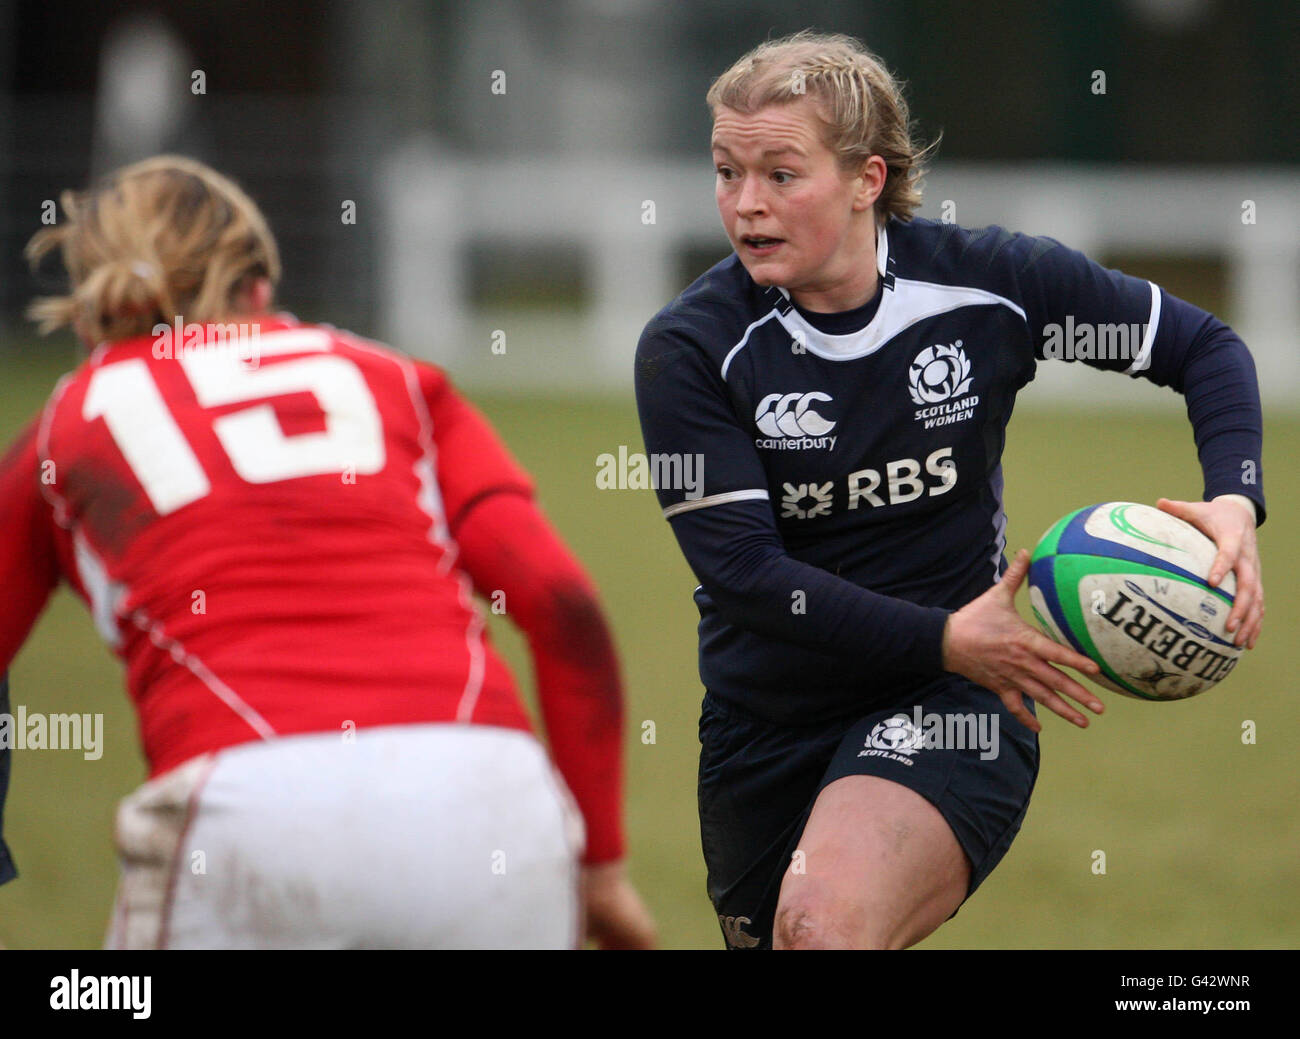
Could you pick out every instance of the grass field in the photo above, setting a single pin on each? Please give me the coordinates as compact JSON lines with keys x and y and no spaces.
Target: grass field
{"x":1200,"y":831}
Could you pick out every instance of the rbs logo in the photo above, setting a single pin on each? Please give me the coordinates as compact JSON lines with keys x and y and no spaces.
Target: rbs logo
{"x":902,"y":480}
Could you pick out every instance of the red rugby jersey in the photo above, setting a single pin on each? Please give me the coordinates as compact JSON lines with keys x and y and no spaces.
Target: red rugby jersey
{"x":269,"y":534}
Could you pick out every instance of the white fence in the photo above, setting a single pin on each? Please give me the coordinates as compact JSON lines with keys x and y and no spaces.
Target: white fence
{"x":631,"y":219}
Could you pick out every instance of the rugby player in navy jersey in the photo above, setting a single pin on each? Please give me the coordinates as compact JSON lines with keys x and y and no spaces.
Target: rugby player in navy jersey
{"x":7,"y":869}
{"x":846,"y":378}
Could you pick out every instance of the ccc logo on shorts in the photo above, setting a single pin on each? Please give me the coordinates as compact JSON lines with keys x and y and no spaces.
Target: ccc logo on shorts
{"x":782,"y":415}
{"x":733,"y":931}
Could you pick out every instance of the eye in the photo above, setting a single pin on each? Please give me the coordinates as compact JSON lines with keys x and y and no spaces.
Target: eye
{"x":726,"y":172}
{"x":782,"y":177}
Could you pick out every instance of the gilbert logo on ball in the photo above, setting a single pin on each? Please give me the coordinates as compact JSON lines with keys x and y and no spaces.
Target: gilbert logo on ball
{"x":1127,"y":585}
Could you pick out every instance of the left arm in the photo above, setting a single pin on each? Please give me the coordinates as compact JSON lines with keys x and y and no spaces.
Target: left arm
{"x":506,"y":543}
{"x":1191,"y":352}
{"x":1197,"y":355}
{"x":1205,"y":361}
{"x":28,"y":574}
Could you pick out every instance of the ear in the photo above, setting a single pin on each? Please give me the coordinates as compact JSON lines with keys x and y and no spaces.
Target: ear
{"x":870,"y":183}
{"x":256,"y":298}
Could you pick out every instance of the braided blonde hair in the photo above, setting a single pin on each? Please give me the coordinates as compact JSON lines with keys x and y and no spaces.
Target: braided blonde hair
{"x":859,"y":102}
{"x":160,"y":239}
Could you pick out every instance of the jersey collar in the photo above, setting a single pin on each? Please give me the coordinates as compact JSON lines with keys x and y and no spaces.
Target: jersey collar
{"x":848,"y":345}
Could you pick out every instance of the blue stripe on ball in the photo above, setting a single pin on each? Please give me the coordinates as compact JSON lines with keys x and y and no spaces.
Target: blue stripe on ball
{"x":1042,"y":575}
{"x":1076,"y":541}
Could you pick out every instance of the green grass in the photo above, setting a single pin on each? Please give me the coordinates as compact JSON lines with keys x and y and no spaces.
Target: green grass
{"x":1199,"y":831}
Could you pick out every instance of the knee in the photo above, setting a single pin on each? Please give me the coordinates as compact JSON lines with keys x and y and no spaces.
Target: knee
{"x":804,"y":925}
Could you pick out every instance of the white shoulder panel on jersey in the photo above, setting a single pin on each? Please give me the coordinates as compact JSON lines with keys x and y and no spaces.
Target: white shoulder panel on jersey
{"x":907,"y":303}
{"x":900,"y":309}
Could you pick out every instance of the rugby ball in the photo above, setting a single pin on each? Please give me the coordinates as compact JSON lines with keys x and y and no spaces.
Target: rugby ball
{"x":1127,"y":585}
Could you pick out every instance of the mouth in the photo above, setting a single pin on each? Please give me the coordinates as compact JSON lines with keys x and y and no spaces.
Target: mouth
{"x":760,"y":245}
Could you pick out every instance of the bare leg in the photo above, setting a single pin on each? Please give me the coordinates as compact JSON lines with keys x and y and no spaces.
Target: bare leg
{"x":881,"y":869}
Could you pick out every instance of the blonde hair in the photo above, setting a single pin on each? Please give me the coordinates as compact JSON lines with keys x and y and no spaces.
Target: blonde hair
{"x":164,"y":238}
{"x":860,"y":104}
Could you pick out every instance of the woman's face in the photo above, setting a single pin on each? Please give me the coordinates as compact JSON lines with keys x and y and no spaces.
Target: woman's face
{"x":795,"y":217}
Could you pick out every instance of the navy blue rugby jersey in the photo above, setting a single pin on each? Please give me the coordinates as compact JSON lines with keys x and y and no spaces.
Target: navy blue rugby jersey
{"x":7,"y":869}
{"x":835,"y":481}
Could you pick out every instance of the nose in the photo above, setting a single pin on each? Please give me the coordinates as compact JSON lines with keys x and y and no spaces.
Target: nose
{"x":751,"y":200}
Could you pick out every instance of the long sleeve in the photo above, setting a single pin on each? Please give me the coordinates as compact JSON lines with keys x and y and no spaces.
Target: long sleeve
{"x":7,"y":869}
{"x":507,"y":546}
{"x":28,"y":574}
{"x":729,"y":535}
{"x":1075,"y":308}
{"x":29,"y":569}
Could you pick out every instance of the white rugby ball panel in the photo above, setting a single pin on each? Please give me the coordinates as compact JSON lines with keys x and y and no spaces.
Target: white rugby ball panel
{"x":1127,"y":585}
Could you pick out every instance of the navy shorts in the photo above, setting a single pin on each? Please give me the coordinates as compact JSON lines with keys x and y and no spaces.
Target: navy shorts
{"x":758,"y":782}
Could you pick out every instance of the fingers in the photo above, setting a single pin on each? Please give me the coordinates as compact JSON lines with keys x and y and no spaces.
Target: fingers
{"x":1053,"y":702}
{"x":1255,"y":623}
{"x":1182,"y":509}
{"x":1236,"y":553}
{"x":1189,"y":512}
{"x":1051,"y":650}
{"x":1015,"y":703}
{"x":1042,"y":692}
{"x":1060,"y":681}
{"x":1247,"y":614}
{"x":1225,"y":560}
{"x":1244,"y":597}
{"x":1038,"y":679}
{"x":1015,"y":574}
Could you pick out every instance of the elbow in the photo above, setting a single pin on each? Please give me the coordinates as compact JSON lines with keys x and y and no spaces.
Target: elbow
{"x":751,"y":599}
{"x":570,"y":622}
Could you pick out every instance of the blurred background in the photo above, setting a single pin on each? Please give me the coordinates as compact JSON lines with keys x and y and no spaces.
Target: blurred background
{"x":512,"y":189}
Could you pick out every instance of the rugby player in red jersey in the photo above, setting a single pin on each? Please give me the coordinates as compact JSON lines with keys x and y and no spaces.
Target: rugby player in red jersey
{"x":280,"y":528}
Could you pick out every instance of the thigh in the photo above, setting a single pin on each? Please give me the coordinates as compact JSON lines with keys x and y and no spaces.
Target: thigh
{"x":917,"y":807}
{"x":877,"y":867}
{"x":757,"y":784}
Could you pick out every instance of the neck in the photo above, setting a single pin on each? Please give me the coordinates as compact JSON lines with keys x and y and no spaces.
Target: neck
{"x":846,"y":292}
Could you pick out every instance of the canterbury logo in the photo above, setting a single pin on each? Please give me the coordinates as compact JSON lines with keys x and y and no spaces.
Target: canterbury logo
{"x":939,"y":373}
{"x":732,"y":930}
{"x":791,"y":415}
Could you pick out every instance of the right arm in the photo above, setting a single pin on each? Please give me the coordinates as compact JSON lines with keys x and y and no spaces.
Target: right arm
{"x":729,"y":536}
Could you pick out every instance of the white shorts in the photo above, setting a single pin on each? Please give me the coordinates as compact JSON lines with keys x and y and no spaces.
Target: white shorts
{"x":411,"y":836}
